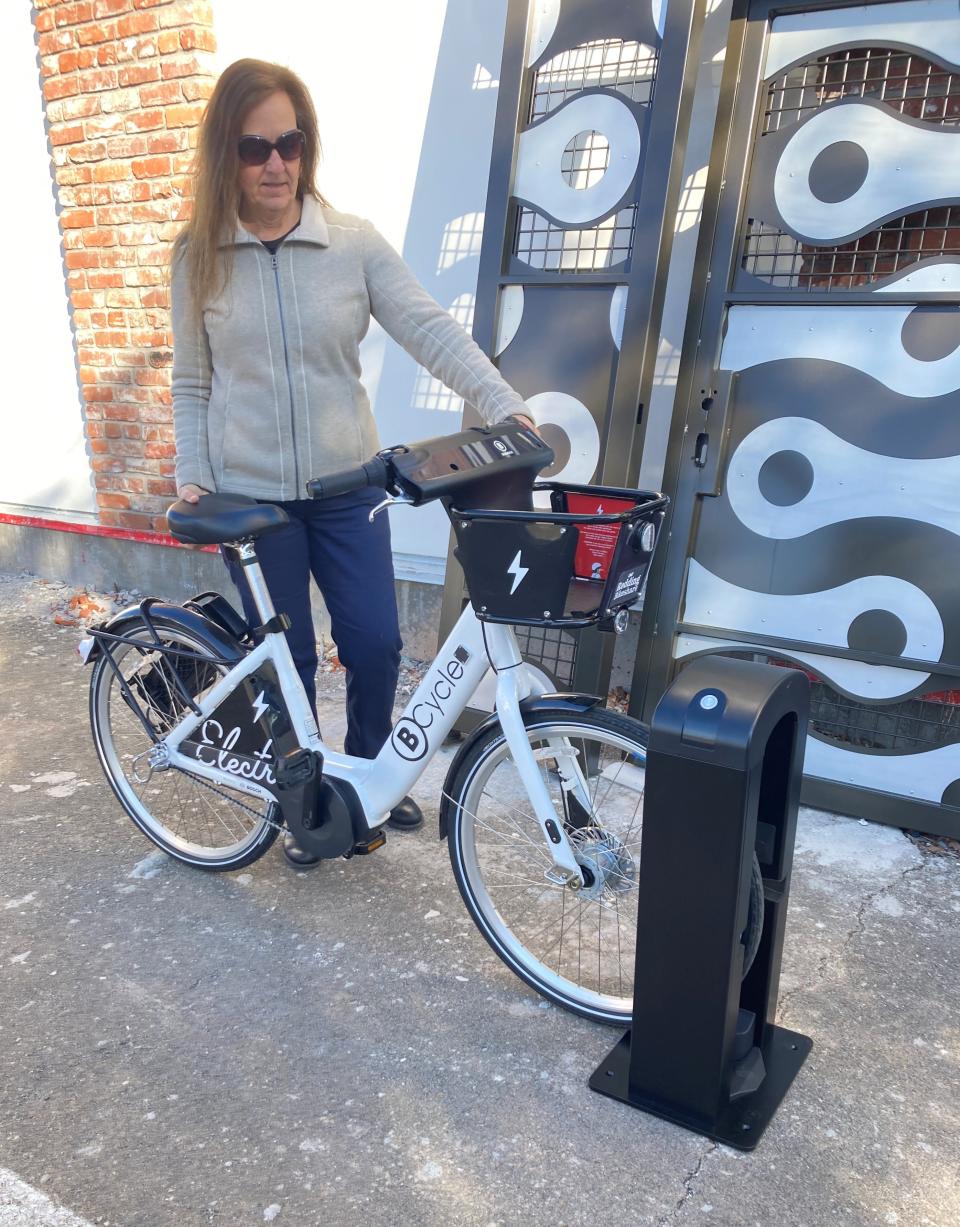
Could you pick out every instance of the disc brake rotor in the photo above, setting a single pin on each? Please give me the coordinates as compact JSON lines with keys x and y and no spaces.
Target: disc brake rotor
{"x":607,"y":862}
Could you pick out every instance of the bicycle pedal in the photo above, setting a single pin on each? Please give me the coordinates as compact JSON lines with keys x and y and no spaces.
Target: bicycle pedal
{"x":376,"y":840}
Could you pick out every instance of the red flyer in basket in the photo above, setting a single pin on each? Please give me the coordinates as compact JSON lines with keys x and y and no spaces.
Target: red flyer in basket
{"x":597,"y":541}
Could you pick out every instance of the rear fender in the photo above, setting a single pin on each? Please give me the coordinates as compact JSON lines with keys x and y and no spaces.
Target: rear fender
{"x":529,"y":707}
{"x":214,"y":636}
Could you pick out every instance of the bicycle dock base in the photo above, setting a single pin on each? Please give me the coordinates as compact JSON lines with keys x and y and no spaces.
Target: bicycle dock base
{"x":723,"y":780}
{"x":739,"y":1122}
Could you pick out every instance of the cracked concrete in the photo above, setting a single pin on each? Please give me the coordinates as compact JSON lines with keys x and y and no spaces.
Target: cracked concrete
{"x":342,"y":1047}
{"x":688,"y":1186}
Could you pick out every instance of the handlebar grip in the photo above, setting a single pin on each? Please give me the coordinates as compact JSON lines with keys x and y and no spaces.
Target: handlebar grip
{"x":373,"y":473}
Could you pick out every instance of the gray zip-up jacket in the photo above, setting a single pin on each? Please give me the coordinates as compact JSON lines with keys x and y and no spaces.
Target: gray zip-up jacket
{"x":266,"y":384}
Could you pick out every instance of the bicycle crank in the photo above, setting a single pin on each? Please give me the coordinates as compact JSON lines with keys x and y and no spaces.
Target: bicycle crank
{"x":316,"y":808}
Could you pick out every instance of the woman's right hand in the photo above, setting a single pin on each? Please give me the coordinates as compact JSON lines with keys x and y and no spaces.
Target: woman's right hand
{"x":525,"y":419}
{"x":191,"y":493}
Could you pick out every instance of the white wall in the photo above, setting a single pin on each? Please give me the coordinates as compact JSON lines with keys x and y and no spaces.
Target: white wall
{"x":43,"y":460}
{"x":406,"y":110}
{"x":369,"y":69}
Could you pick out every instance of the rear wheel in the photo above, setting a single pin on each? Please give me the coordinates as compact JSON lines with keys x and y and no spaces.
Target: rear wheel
{"x":576,"y":949}
{"x":197,"y":821}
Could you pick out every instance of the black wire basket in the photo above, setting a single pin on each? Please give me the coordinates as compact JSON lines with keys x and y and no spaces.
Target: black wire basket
{"x":575,"y":564}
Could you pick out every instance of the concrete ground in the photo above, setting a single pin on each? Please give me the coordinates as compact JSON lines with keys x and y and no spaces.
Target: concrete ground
{"x":342,"y":1047}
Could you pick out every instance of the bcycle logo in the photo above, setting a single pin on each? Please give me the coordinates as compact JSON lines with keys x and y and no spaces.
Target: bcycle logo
{"x":409,"y":737}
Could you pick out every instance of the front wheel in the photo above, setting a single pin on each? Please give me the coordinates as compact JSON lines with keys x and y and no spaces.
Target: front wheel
{"x":575,"y":949}
{"x":204,"y":824}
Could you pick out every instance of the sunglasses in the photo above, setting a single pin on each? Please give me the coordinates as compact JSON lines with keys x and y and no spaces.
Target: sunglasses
{"x":256,"y":150}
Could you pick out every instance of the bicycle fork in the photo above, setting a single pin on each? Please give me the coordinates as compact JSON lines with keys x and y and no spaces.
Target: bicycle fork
{"x":505,"y":657}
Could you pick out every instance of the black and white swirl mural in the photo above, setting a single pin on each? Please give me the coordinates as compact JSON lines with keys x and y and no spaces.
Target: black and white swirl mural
{"x":838,"y":517}
{"x":571,"y":165}
{"x":579,"y":161}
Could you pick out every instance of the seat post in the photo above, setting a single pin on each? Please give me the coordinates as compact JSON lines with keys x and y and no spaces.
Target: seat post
{"x":247,"y":553}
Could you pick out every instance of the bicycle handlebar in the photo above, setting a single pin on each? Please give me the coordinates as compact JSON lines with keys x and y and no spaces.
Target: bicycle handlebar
{"x":373,"y":473}
{"x":486,"y":466}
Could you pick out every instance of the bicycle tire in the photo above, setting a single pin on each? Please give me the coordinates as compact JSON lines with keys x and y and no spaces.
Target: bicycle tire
{"x":609,"y":844}
{"x":246,"y":825}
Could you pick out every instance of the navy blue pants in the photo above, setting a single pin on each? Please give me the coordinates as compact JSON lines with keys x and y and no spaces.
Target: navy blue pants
{"x":350,"y":560}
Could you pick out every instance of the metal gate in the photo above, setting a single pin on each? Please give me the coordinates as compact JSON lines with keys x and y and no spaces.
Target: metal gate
{"x":594,"y":99}
{"x":815,"y":454}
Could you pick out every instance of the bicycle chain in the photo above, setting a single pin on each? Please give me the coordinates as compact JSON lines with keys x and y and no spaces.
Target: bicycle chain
{"x":277,"y":826}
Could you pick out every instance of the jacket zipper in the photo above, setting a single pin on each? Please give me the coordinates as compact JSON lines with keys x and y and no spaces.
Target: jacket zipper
{"x":275,"y":264}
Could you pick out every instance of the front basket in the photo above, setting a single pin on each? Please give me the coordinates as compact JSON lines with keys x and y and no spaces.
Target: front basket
{"x":573,"y":565}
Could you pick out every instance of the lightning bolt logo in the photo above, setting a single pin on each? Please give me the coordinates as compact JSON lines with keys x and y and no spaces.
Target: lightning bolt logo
{"x":259,"y":707}
{"x":518,"y":572}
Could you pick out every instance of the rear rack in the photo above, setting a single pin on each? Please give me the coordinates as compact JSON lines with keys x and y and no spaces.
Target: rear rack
{"x":184,"y":666}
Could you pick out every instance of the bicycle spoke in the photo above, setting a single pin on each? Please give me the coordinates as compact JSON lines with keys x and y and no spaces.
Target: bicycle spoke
{"x":538,"y":848}
{"x":524,"y":882}
{"x":187,"y":814}
{"x":580,"y":944}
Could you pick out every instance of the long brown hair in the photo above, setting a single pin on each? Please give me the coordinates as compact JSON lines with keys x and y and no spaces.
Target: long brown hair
{"x":216,"y":196}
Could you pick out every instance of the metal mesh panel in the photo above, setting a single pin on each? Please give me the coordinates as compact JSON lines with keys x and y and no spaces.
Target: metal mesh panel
{"x":912,"y":725}
{"x":629,"y":67}
{"x":904,"y":82}
{"x":553,"y":650}
{"x":540,"y":244}
{"x":785,"y":262}
{"x":909,"y":726}
{"x":585,"y":159}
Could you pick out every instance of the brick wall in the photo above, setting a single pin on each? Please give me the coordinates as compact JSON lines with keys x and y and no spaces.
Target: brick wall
{"x":124,"y":84}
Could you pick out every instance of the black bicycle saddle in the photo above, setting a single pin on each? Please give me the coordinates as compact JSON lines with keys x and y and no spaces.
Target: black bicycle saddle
{"x":218,"y":518}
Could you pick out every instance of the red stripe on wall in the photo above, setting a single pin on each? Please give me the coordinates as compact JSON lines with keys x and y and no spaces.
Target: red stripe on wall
{"x":99,"y":530}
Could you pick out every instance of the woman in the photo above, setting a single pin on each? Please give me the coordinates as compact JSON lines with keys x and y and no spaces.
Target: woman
{"x":273,"y":291}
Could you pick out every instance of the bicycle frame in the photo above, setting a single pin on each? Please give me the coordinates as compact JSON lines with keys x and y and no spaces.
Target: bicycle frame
{"x":456,"y":672}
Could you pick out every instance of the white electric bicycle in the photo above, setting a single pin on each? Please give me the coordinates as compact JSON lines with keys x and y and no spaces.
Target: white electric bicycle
{"x":205,"y":733}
